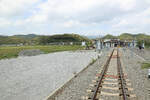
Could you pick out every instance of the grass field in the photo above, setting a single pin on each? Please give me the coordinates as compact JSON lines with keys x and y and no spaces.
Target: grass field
{"x":145,"y":65}
{"x":11,"y":52}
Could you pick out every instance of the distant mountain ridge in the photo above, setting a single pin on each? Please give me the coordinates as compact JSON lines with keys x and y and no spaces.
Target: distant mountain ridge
{"x":28,"y":36}
{"x":42,"y":39}
{"x":128,"y":36}
{"x":33,"y":38}
{"x":63,"y":38}
{"x":93,"y":36}
{"x":109,"y":36}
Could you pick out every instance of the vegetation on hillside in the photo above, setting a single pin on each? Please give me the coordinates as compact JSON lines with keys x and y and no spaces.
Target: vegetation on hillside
{"x":8,"y":52}
{"x":37,"y":39}
{"x":139,"y":37}
{"x":62,"y":38}
{"x":109,"y":37}
{"x":126,"y":36}
{"x":29,"y":36}
{"x":31,"y":39}
{"x":129,"y":36}
{"x":11,"y":40}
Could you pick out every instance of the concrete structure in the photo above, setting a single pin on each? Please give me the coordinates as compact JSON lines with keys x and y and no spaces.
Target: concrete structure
{"x":107,"y":43}
{"x":143,"y":45}
{"x":83,"y":44}
{"x":98,"y":45}
{"x":149,"y":73}
{"x":71,"y":43}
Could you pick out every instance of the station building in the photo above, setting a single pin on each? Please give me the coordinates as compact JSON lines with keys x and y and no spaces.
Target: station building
{"x":108,"y":43}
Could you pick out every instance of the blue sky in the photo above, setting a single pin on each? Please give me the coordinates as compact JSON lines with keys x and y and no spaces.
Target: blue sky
{"x":85,"y":17}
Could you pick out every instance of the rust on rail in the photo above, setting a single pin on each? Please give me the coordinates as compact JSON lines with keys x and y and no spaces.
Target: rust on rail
{"x":124,"y":93}
{"x":101,"y":77}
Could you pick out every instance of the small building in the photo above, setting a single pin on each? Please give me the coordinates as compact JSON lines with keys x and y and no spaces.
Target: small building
{"x":83,"y":43}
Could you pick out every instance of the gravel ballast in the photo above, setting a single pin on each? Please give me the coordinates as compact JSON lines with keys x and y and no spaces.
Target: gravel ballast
{"x":76,"y":88}
{"x":30,"y":52}
{"x":34,"y":78}
{"x":131,"y":63}
{"x":144,"y":53}
{"x":137,"y":75}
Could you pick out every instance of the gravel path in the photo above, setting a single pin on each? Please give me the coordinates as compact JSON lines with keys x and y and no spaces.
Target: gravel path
{"x":143,"y":53}
{"x":77,"y":87}
{"x":34,"y":78}
{"x":137,"y":76}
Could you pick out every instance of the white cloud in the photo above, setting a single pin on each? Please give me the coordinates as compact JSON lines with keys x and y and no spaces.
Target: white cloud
{"x":75,"y":15}
{"x":127,"y":4}
{"x":14,"y":7}
{"x":4,"y":22}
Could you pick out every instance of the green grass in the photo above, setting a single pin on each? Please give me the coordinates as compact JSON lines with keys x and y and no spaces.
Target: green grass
{"x":145,"y":65}
{"x":11,"y":52}
{"x":93,"y":61}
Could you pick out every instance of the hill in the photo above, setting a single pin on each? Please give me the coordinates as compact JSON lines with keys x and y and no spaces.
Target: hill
{"x":138,"y":37}
{"x":126,"y":36}
{"x":28,"y":36}
{"x":108,"y":36}
{"x":63,"y":38}
{"x":39,"y":39}
{"x":10,"y":40}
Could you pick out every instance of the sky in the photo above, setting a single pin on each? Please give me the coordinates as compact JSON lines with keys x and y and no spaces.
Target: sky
{"x":85,"y":17}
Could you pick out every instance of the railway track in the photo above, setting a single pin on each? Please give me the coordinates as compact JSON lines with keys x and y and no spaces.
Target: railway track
{"x":110,"y":82}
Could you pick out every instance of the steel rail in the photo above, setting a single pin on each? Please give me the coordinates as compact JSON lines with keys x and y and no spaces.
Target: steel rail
{"x":121,"y":77}
{"x":101,"y":77}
